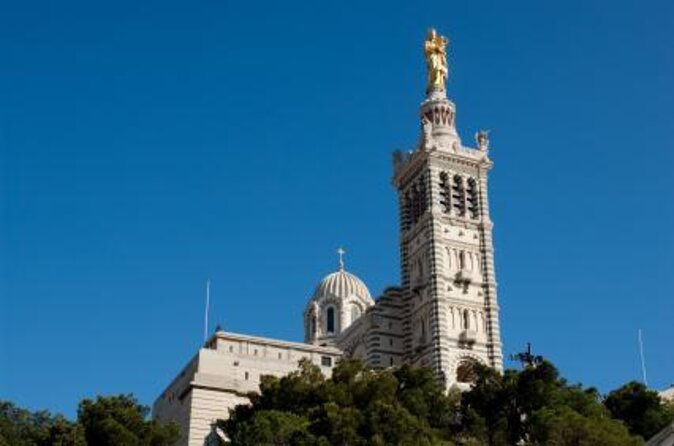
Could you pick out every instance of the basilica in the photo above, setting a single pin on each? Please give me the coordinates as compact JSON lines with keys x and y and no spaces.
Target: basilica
{"x":444,"y":314}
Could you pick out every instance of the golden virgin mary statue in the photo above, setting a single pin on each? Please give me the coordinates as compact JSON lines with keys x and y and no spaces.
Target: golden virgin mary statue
{"x":436,"y":60}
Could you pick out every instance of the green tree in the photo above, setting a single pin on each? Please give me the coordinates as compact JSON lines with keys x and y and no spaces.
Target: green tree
{"x":642,"y":410}
{"x":115,"y":420}
{"x":20,"y":427}
{"x":273,"y":427}
{"x":357,"y":406}
{"x":121,"y":421}
{"x":564,"y":426}
{"x":536,"y":406}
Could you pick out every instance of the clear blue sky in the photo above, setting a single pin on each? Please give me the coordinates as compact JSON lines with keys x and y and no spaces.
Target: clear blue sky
{"x":146,"y":146}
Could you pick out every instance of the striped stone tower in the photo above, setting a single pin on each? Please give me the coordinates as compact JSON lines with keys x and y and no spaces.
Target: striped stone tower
{"x":451,"y":309}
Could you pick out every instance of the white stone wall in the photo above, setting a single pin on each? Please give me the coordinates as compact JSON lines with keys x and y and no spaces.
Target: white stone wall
{"x":217,"y":379}
{"x":207,"y":406}
{"x":376,"y":337}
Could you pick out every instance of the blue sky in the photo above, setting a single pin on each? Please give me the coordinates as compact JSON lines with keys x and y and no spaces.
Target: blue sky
{"x":147,"y":146}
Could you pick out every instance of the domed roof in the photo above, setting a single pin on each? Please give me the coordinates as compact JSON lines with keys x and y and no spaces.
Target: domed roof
{"x":338,"y":301}
{"x":342,"y":284}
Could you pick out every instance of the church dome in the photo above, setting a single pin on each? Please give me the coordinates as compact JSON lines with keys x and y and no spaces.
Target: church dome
{"x":339,"y":300}
{"x":342,"y":284}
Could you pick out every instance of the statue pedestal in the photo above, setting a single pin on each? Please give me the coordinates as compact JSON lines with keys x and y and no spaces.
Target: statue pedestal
{"x":439,"y":113}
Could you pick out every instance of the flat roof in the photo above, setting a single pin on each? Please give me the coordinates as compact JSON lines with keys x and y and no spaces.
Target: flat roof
{"x":275,"y":342}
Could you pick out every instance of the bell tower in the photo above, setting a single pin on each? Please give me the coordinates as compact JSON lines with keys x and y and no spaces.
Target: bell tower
{"x":447,"y":264}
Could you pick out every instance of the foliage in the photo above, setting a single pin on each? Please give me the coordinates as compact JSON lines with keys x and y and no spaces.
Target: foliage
{"x":362,"y":407}
{"x":535,"y":406}
{"x":406,"y":405}
{"x":564,"y":426}
{"x":121,"y":421}
{"x":356,"y":406}
{"x":20,"y":427}
{"x":116,"y":420}
{"x":642,"y":410}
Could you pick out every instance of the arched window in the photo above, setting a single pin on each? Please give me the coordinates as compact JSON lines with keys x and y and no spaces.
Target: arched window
{"x":422,"y":331}
{"x":422,"y":194}
{"x":312,"y":327}
{"x":407,"y":211}
{"x":445,"y":193}
{"x":416,"y":204}
{"x":465,"y":372}
{"x":355,"y":312}
{"x":459,"y":195}
{"x":473,"y":198}
{"x":330,"y":320}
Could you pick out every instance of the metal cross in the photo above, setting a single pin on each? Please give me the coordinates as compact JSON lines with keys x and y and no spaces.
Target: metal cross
{"x":527,"y":358}
{"x":341,"y":253}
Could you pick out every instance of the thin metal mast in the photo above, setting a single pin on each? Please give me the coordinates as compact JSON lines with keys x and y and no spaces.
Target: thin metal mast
{"x":643,"y":361}
{"x":208,"y":301}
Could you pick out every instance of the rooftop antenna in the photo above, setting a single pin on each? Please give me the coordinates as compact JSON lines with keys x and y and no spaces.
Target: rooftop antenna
{"x":643,"y":361}
{"x":208,"y":302}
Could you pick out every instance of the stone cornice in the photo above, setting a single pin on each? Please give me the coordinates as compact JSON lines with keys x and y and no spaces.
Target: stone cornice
{"x":467,"y":157}
{"x":310,"y":348}
{"x":464,"y":159}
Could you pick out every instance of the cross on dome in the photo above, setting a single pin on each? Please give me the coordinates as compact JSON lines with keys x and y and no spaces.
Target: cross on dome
{"x":341,"y":251}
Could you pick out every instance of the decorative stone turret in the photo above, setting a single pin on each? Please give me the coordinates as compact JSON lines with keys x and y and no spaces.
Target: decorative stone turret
{"x":438,"y":131}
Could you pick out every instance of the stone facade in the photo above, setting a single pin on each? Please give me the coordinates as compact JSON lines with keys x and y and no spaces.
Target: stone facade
{"x":223,"y":372}
{"x":444,"y":314}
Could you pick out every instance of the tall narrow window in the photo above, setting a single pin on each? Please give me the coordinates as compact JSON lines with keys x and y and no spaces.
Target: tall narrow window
{"x":330,"y":328}
{"x":466,"y":320}
{"x":422,"y":194}
{"x":445,"y":193}
{"x":459,"y":195}
{"x":473,"y":199}
{"x":416,"y":204}
{"x":422,"y":338}
{"x":407,"y":211}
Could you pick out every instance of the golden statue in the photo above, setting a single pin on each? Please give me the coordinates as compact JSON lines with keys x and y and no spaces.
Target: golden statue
{"x":436,"y":60}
